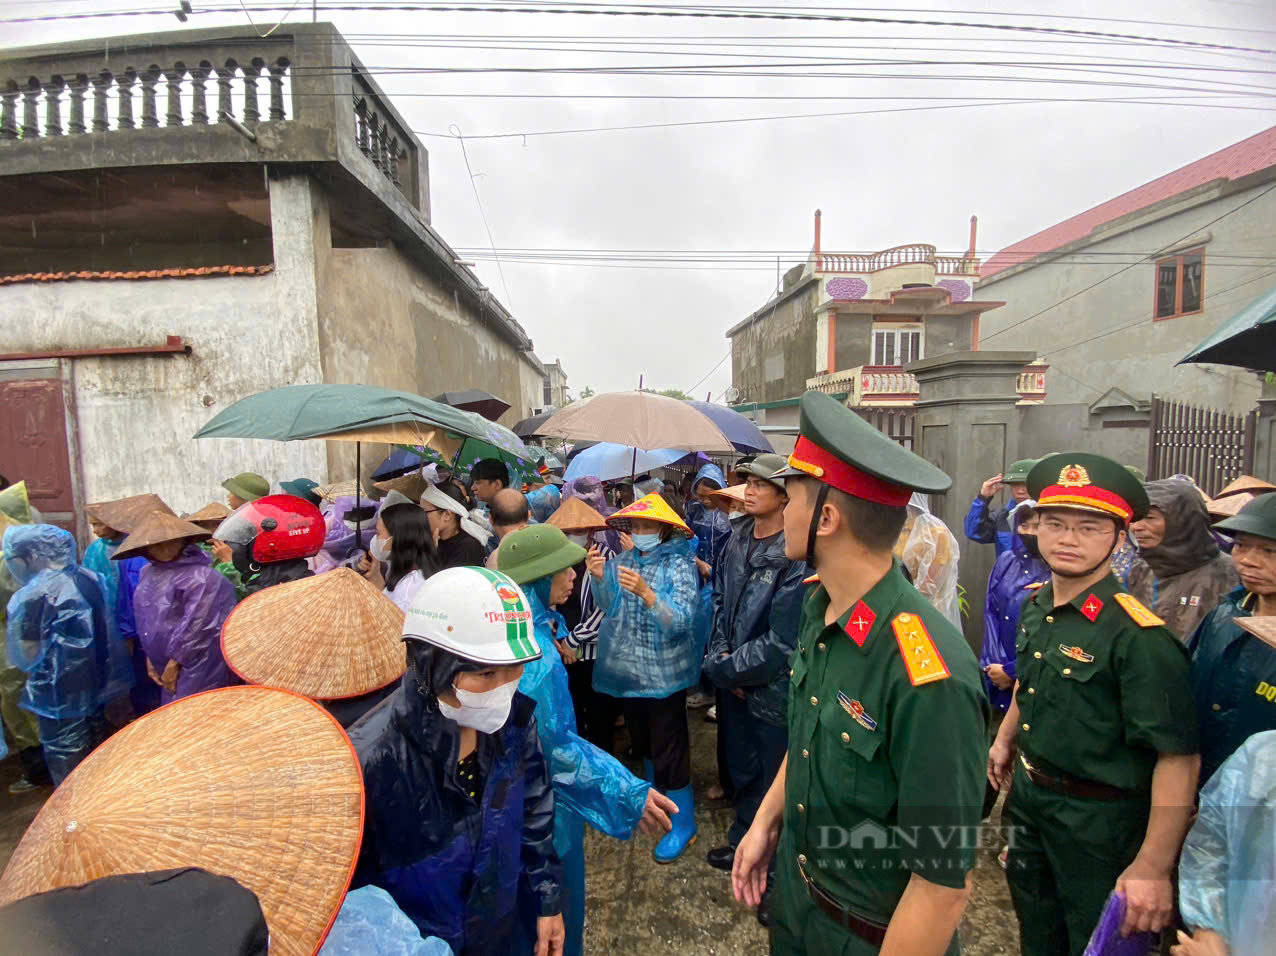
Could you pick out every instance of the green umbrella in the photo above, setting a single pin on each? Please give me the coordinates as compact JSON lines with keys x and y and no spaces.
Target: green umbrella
{"x":1247,"y":339}
{"x":538,"y":452}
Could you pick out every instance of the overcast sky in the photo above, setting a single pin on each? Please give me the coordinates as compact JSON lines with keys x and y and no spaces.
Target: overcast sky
{"x":881,"y":179}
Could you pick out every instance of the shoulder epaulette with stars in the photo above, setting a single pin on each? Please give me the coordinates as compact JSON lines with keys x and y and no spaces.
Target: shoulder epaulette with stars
{"x":813,"y":579}
{"x":1137,"y":611}
{"x":921,"y":657}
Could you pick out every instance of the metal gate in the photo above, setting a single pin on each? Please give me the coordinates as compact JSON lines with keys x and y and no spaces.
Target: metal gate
{"x":33,"y":441}
{"x":894,"y":423}
{"x":1210,"y":446}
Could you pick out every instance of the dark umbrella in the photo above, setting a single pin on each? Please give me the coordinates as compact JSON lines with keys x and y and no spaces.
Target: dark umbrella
{"x":399,"y":462}
{"x":742,"y":433}
{"x":476,"y":400}
{"x":1247,"y":339}
{"x":527,"y":428}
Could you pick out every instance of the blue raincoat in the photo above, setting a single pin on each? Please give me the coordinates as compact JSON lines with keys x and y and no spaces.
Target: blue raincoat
{"x":712,"y":528}
{"x":590,"y":785}
{"x":97,"y":558}
{"x":59,"y":630}
{"x":1228,"y":865}
{"x":651,"y":652}
{"x":543,"y":502}
{"x":989,"y":527}
{"x":371,"y":922}
{"x":1009,"y":585}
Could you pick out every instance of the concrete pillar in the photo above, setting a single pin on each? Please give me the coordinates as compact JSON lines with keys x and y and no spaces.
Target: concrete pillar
{"x":1265,"y":432}
{"x":968,"y":425}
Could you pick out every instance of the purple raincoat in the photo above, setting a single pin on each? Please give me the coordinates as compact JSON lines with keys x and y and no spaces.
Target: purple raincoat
{"x":1008,"y":587}
{"x":339,"y":540}
{"x":180,"y":606}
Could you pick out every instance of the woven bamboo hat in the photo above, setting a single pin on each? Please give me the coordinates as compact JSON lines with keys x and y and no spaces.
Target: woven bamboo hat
{"x":157,"y":528}
{"x":125,"y":514}
{"x":209,"y":516}
{"x":341,"y":489}
{"x":1229,"y":506}
{"x":248,"y":782}
{"x":577,"y":517}
{"x":1255,"y":486}
{"x":411,"y":485}
{"x":1263,"y":628}
{"x":329,"y":636}
{"x":733,"y":493}
{"x":650,"y":508}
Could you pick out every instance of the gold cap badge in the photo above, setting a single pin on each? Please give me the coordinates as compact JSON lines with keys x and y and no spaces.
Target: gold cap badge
{"x":1073,"y":476}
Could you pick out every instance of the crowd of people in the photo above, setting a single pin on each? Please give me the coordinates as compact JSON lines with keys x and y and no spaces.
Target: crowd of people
{"x":1119,"y":711}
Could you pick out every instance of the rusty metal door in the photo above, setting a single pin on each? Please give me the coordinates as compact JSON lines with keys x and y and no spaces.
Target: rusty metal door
{"x":34,"y":447}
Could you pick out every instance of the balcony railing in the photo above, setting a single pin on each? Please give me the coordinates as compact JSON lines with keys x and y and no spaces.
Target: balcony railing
{"x":918,"y":253}
{"x":292,"y":91}
{"x":891,"y":385}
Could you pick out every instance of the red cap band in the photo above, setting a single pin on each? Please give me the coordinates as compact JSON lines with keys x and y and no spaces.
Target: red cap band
{"x":1086,"y":498}
{"x":828,"y":468}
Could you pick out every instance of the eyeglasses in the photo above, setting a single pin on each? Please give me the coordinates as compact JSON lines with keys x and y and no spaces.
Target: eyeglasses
{"x":1085,"y":530}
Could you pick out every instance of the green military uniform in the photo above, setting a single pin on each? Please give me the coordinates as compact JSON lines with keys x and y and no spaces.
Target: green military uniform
{"x":1103,"y":688}
{"x":887,"y":722}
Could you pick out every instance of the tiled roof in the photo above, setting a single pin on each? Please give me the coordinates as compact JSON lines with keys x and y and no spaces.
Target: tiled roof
{"x":200,"y":272}
{"x":1233,"y":162}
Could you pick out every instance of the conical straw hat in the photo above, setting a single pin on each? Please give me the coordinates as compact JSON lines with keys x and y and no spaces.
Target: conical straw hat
{"x":1263,"y":628}
{"x":340,"y":489}
{"x":650,"y":508}
{"x":329,"y":636}
{"x":1228,"y":507}
{"x":735,"y":493}
{"x":578,"y":516}
{"x":411,"y":485}
{"x":156,"y":528}
{"x":248,"y":782}
{"x":1247,"y":483}
{"x":212,"y":513}
{"x":125,"y":514}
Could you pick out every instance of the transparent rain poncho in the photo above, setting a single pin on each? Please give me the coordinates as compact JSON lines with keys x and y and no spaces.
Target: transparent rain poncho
{"x":371,"y":922}
{"x":1228,"y":868}
{"x":651,"y":652}
{"x":60,"y":631}
{"x":929,"y":551}
{"x":590,"y":785}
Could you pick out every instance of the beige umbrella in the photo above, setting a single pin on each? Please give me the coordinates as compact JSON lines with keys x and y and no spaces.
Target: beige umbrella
{"x":253,"y":783}
{"x":640,"y":419}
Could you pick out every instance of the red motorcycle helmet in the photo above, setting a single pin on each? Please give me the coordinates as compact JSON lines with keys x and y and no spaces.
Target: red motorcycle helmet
{"x":274,"y":528}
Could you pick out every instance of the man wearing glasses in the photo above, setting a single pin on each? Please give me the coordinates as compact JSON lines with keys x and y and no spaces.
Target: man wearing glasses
{"x":1101,"y":737}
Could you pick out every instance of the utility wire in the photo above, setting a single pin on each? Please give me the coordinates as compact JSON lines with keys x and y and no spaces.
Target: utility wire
{"x":473,"y":185}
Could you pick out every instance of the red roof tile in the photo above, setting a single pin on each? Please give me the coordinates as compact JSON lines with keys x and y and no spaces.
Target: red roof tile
{"x":1233,"y":162}
{"x":147,"y":274}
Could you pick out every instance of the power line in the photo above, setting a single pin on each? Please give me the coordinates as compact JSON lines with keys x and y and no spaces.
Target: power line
{"x":473,"y":185}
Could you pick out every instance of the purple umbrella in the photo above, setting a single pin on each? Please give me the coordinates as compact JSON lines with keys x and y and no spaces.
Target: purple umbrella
{"x":742,"y":433}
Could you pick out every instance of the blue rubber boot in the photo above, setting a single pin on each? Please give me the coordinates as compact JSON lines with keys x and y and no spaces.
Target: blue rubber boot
{"x":675,"y":842}
{"x":648,"y":770}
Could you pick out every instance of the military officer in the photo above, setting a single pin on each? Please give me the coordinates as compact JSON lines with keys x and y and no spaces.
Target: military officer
{"x":1101,"y":734}
{"x":874,"y":815}
{"x":1234,"y":672}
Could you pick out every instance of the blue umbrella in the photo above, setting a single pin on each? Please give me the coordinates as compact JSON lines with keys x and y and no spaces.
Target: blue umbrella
{"x":399,"y":462}
{"x":742,"y":433}
{"x":608,"y":461}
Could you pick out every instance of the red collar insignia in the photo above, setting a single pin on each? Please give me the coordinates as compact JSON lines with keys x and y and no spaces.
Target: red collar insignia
{"x":860,"y":624}
{"x":1091,"y":607}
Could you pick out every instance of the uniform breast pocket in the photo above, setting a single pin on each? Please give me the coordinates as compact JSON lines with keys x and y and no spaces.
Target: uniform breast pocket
{"x":797,"y":670}
{"x":859,"y":774}
{"x":1072,"y":683}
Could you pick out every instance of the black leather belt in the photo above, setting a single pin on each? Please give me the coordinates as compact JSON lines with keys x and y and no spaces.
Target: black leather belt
{"x":1072,"y":786}
{"x":866,"y":929}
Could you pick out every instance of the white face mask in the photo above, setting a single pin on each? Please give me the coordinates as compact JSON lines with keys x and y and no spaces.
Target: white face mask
{"x":646,"y":542}
{"x":486,"y":712}
{"x":380,"y":548}
{"x":580,"y":539}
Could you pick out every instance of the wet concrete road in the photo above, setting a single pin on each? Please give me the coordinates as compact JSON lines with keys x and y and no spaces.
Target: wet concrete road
{"x":637,"y":906}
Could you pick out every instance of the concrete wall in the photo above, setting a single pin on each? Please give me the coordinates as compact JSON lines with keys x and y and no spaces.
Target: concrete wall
{"x":947,"y":333}
{"x":136,"y":416}
{"x":1140,"y":359}
{"x":1050,"y":428}
{"x":772,"y":358}
{"x":854,"y":342}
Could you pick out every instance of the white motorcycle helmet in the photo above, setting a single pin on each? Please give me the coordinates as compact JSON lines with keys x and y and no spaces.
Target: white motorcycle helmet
{"x":476,"y":614}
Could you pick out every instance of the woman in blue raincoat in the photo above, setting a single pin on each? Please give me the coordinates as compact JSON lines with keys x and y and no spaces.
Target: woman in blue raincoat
{"x":710,"y":525}
{"x":1016,"y":573}
{"x":650,"y":647}
{"x":61,"y":634}
{"x":459,"y":827}
{"x":590,"y":785}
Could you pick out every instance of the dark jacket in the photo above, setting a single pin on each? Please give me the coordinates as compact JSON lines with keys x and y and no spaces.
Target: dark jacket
{"x":457,"y":869}
{"x":989,"y":527}
{"x":757,"y":605}
{"x":1233,"y":680}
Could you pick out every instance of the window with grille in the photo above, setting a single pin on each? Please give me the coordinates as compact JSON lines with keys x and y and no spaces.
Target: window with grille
{"x":1180,"y":284}
{"x":896,"y":346}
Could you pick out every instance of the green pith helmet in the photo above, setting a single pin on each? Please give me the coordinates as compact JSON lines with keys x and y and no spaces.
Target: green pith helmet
{"x":1082,"y":481}
{"x":1137,"y":472}
{"x":1257,"y":518}
{"x":1017,"y":473}
{"x":763,"y":466}
{"x":247,"y":485}
{"x":536,"y":552}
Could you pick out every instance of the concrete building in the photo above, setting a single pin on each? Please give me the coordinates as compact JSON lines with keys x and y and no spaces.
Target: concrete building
{"x":555,"y":390}
{"x":193,"y":217}
{"x":1114,"y":296}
